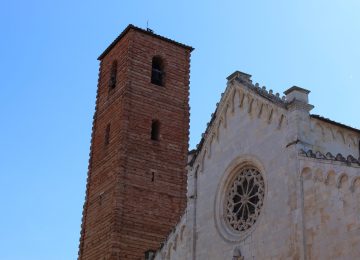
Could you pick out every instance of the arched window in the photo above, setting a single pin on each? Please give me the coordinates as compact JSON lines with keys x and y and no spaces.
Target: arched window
{"x":157,"y":72}
{"x":112,"y":81}
{"x":155,"y":130}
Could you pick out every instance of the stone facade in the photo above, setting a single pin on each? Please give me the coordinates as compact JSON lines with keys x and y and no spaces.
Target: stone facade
{"x":311,"y":169}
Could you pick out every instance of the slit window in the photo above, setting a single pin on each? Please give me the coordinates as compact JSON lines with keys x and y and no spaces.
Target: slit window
{"x":112,"y":81}
{"x":107,"y":135}
{"x":155,"y":130}
{"x":157,"y":72}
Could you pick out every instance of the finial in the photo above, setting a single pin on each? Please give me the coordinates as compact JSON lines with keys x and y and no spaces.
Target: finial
{"x":147,"y":27}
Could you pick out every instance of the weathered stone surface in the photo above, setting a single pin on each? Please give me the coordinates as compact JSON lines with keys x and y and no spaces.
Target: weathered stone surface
{"x":310,"y":208}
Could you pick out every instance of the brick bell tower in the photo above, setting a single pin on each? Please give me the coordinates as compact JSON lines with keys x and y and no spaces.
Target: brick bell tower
{"x":136,"y":185}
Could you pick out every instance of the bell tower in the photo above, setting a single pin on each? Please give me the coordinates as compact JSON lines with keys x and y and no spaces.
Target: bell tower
{"x":136,"y":185}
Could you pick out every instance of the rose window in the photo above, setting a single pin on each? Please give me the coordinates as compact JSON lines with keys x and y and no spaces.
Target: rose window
{"x":245,"y":199}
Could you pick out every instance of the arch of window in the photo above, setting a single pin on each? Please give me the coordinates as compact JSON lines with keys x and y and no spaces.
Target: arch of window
{"x":157,"y":71}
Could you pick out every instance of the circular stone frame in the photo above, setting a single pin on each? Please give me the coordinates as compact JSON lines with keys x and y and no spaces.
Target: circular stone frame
{"x":227,"y":232}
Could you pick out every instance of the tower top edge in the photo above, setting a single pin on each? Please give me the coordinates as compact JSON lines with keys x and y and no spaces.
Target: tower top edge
{"x":147,"y":32}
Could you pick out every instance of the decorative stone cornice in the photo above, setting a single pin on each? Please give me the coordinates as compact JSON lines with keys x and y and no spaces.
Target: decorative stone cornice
{"x":240,"y":84}
{"x":261,"y":91}
{"x":293,"y":88}
{"x":258,"y":100}
{"x":239,"y":75}
{"x":298,"y":105}
{"x":350,"y":160}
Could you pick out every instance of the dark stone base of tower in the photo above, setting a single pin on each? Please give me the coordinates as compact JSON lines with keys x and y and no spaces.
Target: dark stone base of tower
{"x":136,"y":187}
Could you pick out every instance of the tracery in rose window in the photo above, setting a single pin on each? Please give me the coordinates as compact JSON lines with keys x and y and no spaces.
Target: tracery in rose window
{"x":245,"y":199}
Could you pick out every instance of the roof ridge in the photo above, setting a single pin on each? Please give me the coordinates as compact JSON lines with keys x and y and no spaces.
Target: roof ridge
{"x":268,"y":94}
{"x":245,"y":79}
{"x":327,"y":120}
{"x":148,"y":32}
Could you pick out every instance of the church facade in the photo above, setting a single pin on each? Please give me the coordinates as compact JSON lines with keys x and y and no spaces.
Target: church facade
{"x":268,"y":180}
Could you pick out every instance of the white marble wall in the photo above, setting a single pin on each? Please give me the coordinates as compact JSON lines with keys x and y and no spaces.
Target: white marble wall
{"x":331,"y":209}
{"x":335,"y":139}
{"x":249,"y":135}
{"x":301,"y":216}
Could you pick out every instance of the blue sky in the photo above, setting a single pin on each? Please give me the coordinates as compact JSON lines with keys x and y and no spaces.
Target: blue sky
{"x":49,"y":71}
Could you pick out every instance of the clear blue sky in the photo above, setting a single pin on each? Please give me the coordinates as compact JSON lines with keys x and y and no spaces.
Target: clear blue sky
{"x":49,"y":74}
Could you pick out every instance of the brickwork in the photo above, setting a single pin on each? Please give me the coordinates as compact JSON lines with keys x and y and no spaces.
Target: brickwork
{"x":136,"y":188}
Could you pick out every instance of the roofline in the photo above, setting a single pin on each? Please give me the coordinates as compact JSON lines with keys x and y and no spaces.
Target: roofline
{"x":335,"y":123}
{"x":148,"y":32}
{"x":192,"y":151}
{"x":238,"y":74}
{"x":255,"y":88}
{"x":297,"y":89}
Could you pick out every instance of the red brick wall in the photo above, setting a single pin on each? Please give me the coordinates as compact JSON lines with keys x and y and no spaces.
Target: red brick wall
{"x":136,"y":190}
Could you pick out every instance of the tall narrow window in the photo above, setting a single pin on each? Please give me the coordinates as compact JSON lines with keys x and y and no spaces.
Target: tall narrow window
{"x":157,"y":72}
{"x":107,"y":135}
{"x":112,"y":81}
{"x":155,"y":130}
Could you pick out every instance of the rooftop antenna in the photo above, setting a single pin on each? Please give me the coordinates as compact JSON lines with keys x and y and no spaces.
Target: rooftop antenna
{"x":147,"y":27}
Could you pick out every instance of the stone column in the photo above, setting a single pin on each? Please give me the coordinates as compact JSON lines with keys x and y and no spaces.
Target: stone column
{"x":298,"y":116}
